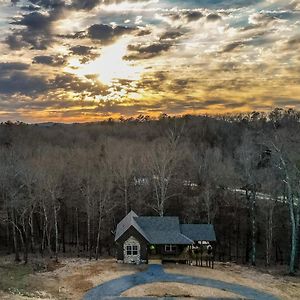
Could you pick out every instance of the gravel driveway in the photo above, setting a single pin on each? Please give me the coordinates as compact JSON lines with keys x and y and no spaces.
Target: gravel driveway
{"x":155,"y":273}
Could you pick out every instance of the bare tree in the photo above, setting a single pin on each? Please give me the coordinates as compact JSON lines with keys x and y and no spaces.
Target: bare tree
{"x":283,"y":143}
{"x":248,"y":155}
{"x":161,"y":160}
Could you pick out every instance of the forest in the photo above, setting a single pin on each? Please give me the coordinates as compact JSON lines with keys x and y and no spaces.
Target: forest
{"x":64,"y":187}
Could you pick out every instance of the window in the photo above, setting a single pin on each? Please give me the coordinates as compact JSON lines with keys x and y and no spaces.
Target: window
{"x":170,"y":248}
{"x":132,"y":250}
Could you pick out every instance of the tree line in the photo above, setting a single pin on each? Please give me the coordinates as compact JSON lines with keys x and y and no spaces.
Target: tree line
{"x":64,"y":187}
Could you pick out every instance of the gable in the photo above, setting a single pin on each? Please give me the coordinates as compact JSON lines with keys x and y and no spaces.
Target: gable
{"x":126,"y":223}
{"x":132,"y":232}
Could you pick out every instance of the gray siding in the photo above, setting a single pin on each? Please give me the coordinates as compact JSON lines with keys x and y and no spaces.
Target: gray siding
{"x":132,"y":232}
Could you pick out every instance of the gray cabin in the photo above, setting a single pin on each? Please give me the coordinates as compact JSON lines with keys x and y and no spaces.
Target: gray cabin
{"x":139,"y":239}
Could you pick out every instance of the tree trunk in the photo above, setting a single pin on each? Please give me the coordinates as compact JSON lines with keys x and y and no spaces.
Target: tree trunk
{"x":253,"y":228}
{"x":269,"y":235}
{"x":15,"y":238}
{"x":89,"y":235}
{"x":297,"y":234}
{"x":77,"y":232}
{"x":32,"y":232}
{"x":98,"y":235}
{"x":293,"y":224}
{"x":126,"y":198}
{"x":47,"y":233}
{"x":56,"y":232}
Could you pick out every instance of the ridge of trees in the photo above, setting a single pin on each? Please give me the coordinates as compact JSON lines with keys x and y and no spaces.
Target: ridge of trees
{"x":64,"y":187}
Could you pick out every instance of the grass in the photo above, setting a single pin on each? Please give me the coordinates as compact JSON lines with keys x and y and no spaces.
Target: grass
{"x":14,"y":278}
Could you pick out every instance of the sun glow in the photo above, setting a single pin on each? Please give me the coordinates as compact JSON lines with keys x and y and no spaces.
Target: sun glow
{"x":109,"y":66}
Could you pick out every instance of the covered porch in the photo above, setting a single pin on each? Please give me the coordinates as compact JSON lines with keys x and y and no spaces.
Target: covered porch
{"x":196,"y":254}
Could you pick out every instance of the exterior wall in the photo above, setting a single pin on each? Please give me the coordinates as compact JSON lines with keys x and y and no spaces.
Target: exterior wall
{"x":132,"y":258}
{"x":179,"y":249}
{"x":132,"y":233}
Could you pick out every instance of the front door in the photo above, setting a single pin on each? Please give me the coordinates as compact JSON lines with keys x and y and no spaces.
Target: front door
{"x":132,"y":251}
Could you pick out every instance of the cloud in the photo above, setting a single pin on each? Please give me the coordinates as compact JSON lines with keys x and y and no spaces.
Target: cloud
{"x":37,"y":32}
{"x":72,"y":83}
{"x":50,"y":60}
{"x":213,"y":17}
{"x":86,"y":52}
{"x":144,"y":31}
{"x":108,"y":34}
{"x":146,"y":51}
{"x":261,"y":18}
{"x":192,"y":16}
{"x":12,"y":66}
{"x":232,"y":46}
{"x":21,"y":82}
{"x":85,"y":4}
{"x":170,"y":35}
{"x":45,"y":3}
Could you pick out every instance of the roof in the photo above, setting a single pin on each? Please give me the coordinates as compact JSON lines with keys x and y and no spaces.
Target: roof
{"x":165,"y":230}
{"x":199,"y":232}
{"x":126,"y":223}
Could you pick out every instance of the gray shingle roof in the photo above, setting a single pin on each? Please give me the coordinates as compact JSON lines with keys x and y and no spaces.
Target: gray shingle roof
{"x":163,"y":230}
{"x":166,"y":230}
{"x":126,"y":223}
{"x":199,"y":232}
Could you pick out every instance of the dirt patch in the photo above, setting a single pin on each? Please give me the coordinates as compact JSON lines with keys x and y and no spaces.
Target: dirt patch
{"x":284,"y":287}
{"x":178,"y":290}
{"x":73,"y":277}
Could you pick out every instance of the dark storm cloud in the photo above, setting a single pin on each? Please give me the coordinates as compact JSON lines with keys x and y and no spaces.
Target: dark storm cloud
{"x":146,"y":51}
{"x":213,"y":17}
{"x":86,"y":52}
{"x":81,"y":50}
{"x":70,"y":82}
{"x":37,"y":32}
{"x":108,"y":34}
{"x":170,"y":35}
{"x":50,"y":60}
{"x":21,"y":82}
{"x":192,"y":16}
{"x":15,"y":42}
{"x":85,"y":4}
{"x":184,"y":16}
{"x":13,"y":66}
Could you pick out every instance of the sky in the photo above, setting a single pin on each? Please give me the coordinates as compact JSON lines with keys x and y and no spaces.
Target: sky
{"x":81,"y":60}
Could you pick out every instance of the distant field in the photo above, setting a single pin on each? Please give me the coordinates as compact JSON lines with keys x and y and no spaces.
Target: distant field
{"x":72,"y":277}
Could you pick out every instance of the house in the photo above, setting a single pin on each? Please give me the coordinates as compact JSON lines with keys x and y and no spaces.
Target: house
{"x":139,"y":239}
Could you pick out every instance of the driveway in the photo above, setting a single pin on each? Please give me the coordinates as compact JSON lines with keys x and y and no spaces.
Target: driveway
{"x":155,"y":273}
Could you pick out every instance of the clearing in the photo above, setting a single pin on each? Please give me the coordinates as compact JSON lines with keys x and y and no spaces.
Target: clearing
{"x":73,"y":277}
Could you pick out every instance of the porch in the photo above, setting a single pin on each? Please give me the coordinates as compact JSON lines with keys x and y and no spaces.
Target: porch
{"x":185,"y":255}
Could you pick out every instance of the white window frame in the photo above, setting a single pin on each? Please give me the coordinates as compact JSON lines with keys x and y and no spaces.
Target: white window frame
{"x":132,"y":250}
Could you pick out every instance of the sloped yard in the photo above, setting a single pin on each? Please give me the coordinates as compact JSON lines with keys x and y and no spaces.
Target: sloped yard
{"x":73,"y":277}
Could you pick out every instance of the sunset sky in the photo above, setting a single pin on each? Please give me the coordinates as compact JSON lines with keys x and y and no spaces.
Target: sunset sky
{"x":80,"y":60}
